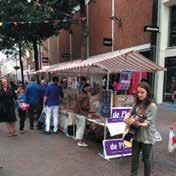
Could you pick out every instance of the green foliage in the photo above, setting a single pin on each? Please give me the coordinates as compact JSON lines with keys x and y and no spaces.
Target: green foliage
{"x":42,"y":19}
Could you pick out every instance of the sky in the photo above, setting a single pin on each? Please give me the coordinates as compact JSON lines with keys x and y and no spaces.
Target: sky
{"x":8,"y":65}
{"x":2,"y":56}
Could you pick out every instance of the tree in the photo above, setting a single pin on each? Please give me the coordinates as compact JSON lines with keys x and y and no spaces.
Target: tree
{"x":18,"y":50}
{"x":35,"y":21}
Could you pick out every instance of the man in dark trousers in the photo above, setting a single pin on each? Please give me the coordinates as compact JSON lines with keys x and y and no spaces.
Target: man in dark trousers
{"x":33,"y":97}
{"x":52,"y":97}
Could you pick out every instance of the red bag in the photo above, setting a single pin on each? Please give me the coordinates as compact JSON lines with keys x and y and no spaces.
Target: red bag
{"x":174,"y":140}
{"x":24,"y":106}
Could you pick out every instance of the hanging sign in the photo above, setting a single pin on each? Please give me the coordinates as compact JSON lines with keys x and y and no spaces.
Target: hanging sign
{"x":107,"y":42}
{"x":125,"y":80}
{"x":151,"y":29}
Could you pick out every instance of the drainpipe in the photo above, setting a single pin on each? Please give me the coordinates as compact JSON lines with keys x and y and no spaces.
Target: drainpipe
{"x":113,"y":21}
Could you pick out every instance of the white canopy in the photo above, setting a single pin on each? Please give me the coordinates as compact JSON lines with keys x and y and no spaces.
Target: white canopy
{"x":112,"y":62}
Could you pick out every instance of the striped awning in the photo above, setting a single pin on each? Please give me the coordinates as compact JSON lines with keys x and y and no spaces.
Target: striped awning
{"x":44,"y":69}
{"x":65,"y":66}
{"x":112,"y":62}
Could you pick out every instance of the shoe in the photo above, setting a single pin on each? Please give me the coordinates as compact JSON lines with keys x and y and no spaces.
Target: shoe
{"x":14,"y":134}
{"x":55,"y":132}
{"x":47,"y":132}
{"x":1,"y":167}
{"x":39,"y":128}
{"x":22,"y":132}
{"x":10,"y":134}
{"x":82,"y":144}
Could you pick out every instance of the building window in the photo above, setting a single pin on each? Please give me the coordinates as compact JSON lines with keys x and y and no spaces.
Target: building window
{"x":169,"y":78}
{"x":172,"y":35}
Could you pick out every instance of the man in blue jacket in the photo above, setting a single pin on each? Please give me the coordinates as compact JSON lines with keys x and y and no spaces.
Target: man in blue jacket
{"x":52,"y":101}
{"x":33,"y":97}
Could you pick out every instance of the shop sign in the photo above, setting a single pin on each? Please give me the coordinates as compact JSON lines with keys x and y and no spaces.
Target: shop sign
{"x":107,"y":42}
{"x":115,"y":148}
{"x":151,"y":29}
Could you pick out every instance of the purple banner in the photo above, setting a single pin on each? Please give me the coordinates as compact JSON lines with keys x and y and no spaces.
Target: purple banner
{"x":118,"y":114}
{"x":125,"y":79}
{"x":115,"y":148}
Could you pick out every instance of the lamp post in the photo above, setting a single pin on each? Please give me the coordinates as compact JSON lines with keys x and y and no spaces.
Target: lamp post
{"x":16,"y":69}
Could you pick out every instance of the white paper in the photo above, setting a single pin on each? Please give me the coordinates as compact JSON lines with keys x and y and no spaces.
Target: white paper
{"x":116,"y":128}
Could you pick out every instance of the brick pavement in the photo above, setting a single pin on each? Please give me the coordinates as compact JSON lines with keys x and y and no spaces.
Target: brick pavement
{"x":35,"y":154}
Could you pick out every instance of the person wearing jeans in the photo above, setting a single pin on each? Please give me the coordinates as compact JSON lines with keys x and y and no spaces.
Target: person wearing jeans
{"x":146,"y":149}
{"x":146,"y":133}
{"x":51,"y":99}
{"x":21,"y":111}
{"x":33,"y":96}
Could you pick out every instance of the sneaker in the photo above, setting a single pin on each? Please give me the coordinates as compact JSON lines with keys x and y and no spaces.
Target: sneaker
{"x":82,"y":144}
{"x":55,"y":132}
{"x":47,"y":132}
{"x":21,"y":131}
{"x":32,"y":128}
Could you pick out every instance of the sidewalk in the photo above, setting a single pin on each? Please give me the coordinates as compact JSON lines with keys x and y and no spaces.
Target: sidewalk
{"x":34,"y":154}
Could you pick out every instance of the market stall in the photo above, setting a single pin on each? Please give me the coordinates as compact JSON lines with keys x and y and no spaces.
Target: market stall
{"x":109,"y":110}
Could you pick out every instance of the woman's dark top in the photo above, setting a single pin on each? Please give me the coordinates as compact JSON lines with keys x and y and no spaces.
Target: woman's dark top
{"x":7,"y":105}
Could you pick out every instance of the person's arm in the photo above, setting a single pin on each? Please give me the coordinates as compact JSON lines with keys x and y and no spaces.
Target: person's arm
{"x":151,"y":116}
{"x":173,"y":95}
{"x":45,"y":96}
{"x":27,"y":95}
{"x":127,"y":119}
{"x":44,"y":101}
{"x":61,"y":92}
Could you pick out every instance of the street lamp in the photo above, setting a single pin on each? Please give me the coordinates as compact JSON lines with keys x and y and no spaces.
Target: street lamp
{"x":28,"y":1}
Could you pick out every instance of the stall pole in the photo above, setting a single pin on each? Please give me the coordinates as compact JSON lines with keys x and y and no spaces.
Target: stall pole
{"x":101,"y":154}
{"x":140,"y":76}
{"x":107,"y":85}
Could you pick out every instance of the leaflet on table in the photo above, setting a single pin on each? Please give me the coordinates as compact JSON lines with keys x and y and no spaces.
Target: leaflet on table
{"x":115,"y":124}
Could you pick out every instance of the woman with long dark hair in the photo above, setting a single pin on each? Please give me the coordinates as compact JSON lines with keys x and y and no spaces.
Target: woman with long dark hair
{"x":7,"y":107}
{"x":144,"y":138}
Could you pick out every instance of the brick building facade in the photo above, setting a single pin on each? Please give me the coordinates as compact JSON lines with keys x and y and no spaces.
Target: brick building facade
{"x":133,"y":15}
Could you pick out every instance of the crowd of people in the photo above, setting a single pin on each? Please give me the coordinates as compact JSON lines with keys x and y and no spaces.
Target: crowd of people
{"x":31,"y":100}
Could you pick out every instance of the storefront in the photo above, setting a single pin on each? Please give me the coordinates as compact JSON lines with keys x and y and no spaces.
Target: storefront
{"x":170,"y":62}
{"x":169,"y":78}
{"x":166,"y":51}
